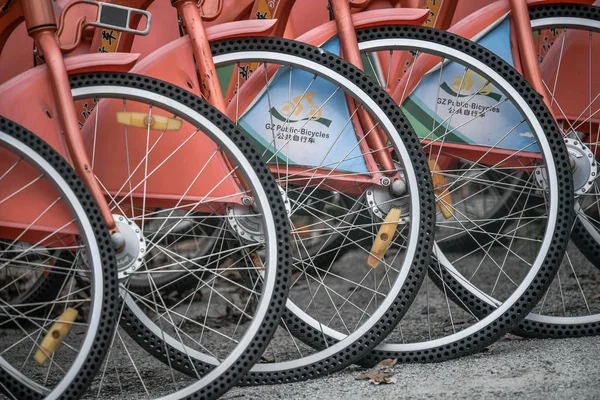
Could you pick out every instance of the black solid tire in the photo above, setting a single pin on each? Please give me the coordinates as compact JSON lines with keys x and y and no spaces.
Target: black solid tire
{"x":350,"y":353}
{"x":523,"y":305}
{"x":137,"y":330}
{"x":108,"y":316}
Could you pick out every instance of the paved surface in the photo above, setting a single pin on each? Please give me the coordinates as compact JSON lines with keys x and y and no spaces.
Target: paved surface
{"x":530,"y":369}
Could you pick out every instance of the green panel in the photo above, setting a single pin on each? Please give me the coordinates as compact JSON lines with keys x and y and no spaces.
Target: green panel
{"x":224,"y":74}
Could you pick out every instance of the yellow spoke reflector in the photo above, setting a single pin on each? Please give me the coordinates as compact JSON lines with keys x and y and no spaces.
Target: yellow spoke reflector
{"x":384,"y":237}
{"x":59,"y":330}
{"x":444,"y":200}
{"x":143,"y":120}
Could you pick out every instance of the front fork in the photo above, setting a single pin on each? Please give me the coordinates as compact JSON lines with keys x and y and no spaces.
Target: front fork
{"x":375,"y":139}
{"x":209,"y":82}
{"x":41,"y":26}
{"x":350,"y":52}
{"x":210,"y":86}
{"x":51,"y":42}
{"x":527,"y":53}
{"x":349,"y":47}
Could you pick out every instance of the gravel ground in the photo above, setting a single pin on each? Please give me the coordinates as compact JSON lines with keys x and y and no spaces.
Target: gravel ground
{"x":511,"y":368}
{"x":530,"y":369}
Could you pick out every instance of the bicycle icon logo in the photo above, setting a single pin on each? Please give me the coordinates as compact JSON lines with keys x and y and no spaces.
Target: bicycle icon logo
{"x":295,"y":108}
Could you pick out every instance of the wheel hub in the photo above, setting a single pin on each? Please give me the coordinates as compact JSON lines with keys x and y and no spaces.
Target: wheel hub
{"x":380,"y":201}
{"x":131,"y":256}
{"x":583,"y":167}
{"x":246,"y":224}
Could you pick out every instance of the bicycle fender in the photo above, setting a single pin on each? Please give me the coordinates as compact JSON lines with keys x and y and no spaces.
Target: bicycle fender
{"x":472,"y":18}
{"x":366,"y":19}
{"x":466,"y":8}
{"x":174,"y":62}
{"x":27,"y":98}
{"x":229,"y":30}
{"x":149,"y":48}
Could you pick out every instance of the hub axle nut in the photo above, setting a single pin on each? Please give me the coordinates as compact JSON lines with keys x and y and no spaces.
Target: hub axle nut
{"x":398,"y":188}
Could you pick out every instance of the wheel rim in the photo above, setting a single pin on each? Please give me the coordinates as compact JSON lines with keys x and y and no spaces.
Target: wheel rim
{"x":68,"y":369}
{"x":467,"y":331}
{"x":227,"y":340}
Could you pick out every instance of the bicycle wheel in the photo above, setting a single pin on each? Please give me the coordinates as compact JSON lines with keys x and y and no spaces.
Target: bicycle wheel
{"x":565,"y":34}
{"x":468,"y":105}
{"x":300,"y":105}
{"x":177,"y":174}
{"x":52,"y":236}
{"x":566,"y":37}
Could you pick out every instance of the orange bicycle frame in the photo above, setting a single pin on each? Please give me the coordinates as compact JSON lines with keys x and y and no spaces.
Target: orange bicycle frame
{"x":44,"y":94}
{"x":41,"y":26}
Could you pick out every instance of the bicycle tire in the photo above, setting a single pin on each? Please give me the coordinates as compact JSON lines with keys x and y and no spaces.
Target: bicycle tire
{"x":447,"y":46}
{"x":327,"y":359}
{"x":15,"y":379}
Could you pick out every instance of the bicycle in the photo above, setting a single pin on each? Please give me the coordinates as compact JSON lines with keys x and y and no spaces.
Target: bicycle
{"x":79,"y":271}
{"x":566,"y":309}
{"x":455,"y":286}
{"x":413,"y":203}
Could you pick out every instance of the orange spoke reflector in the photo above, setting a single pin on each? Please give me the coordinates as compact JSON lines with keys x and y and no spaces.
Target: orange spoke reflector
{"x":55,"y":336}
{"x":384,"y":237}
{"x":258,"y":264}
{"x":143,"y":120}
{"x":443,"y":198}
{"x":303,"y":231}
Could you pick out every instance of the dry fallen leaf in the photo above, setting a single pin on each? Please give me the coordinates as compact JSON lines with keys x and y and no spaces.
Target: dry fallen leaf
{"x":267,"y":358}
{"x":375,"y":375}
{"x":510,"y":336}
{"x":387,"y":363}
{"x":378,"y":374}
{"x":385,"y":380}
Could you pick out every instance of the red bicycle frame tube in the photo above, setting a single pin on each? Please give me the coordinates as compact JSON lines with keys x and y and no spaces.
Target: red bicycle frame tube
{"x":350,"y":52}
{"x":41,"y":25}
{"x":527,"y":54}
{"x":192,"y":21}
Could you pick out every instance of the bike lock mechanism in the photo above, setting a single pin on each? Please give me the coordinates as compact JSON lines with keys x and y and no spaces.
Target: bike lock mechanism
{"x":79,"y":15}
{"x":112,"y":16}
